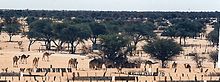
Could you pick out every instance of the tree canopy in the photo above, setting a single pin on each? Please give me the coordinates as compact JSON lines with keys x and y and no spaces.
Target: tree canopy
{"x":184,"y":29}
{"x":113,"y":47}
{"x":11,"y":30}
{"x":163,"y":49}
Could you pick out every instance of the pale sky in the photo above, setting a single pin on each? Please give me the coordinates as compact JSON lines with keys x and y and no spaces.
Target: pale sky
{"x":114,"y":5}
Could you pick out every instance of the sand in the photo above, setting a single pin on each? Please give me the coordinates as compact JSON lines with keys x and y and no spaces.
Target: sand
{"x":60,"y":60}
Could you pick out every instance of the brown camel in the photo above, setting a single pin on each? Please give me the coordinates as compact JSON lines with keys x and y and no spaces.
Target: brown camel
{"x":72,"y":63}
{"x":95,"y":64}
{"x":174,"y":65}
{"x":35,"y":61}
{"x":15,"y":61}
{"x":46,"y":54}
{"x":24,"y":58}
{"x":149,"y":63}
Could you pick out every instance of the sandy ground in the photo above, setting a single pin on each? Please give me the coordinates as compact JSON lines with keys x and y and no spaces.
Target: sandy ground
{"x":60,"y":60}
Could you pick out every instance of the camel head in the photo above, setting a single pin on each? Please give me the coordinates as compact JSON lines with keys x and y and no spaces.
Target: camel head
{"x":28,"y":56}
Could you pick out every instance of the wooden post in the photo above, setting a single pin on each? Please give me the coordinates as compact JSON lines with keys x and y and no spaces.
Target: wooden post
{"x":195,"y":78}
{"x":62,"y":73}
{"x":35,"y":78}
{"x":90,"y":79}
{"x":54,"y":78}
{"x":165,"y":79}
{"x":19,"y":78}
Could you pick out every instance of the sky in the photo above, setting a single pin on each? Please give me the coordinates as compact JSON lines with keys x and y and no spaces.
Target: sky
{"x":113,"y":5}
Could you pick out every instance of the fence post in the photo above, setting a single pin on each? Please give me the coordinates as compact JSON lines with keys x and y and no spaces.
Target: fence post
{"x":90,"y":78}
{"x":54,"y":78}
{"x":113,"y":79}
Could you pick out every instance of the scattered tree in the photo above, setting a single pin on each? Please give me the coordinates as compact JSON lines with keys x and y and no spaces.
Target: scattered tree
{"x":187,"y":28}
{"x":11,"y":30}
{"x":114,"y":47}
{"x":214,"y":57}
{"x":163,"y":49}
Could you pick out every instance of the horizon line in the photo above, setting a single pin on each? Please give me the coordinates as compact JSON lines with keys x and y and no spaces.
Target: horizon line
{"x":112,"y":10}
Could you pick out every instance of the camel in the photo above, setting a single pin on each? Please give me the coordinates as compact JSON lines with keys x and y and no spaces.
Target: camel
{"x":24,"y":58}
{"x":15,"y":61}
{"x":20,"y":44}
{"x":174,"y":65}
{"x":149,"y":63}
{"x":35,"y":61}
{"x":98,"y":63}
{"x":46,"y":54}
{"x":95,"y":64}
{"x":72,"y":63}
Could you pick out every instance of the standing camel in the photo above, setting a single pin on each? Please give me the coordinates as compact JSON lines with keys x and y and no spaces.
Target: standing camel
{"x":35,"y":61}
{"x":72,"y":63}
{"x":24,"y":58}
{"x":46,"y":54}
{"x":15,"y":61}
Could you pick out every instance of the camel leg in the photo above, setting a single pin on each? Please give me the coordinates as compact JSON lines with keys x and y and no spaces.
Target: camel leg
{"x":36,"y":64}
{"x":43,"y":58}
{"x":47,"y":58}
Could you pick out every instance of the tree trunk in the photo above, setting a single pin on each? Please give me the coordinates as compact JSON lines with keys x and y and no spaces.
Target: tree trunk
{"x":135,"y":46}
{"x":214,"y":64}
{"x":180,"y":40}
{"x":48,"y":45}
{"x":58,"y":45}
{"x":72,"y":46}
{"x":30,"y":43}
{"x":10,"y":36}
{"x":184,"y":39}
{"x":163,"y":64}
{"x":94,"y":46}
{"x":29,"y":46}
{"x":68,"y":46}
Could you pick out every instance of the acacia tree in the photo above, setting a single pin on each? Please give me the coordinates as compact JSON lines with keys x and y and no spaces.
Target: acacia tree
{"x":97,"y":30}
{"x":214,"y":57}
{"x":113,"y":46}
{"x":163,"y":49}
{"x":139,"y":32}
{"x":213,"y":36}
{"x":74,"y":34}
{"x":69,"y":35}
{"x":1,"y":25}
{"x":58,"y":34}
{"x":11,"y":30}
{"x":32,"y":37}
{"x":184,"y":29}
{"x":43,"y":30}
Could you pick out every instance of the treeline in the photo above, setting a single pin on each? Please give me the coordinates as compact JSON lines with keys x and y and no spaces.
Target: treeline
{"x":107,"y":15}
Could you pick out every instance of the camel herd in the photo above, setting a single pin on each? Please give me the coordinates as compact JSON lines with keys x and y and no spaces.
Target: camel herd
{"x":99,"y":63}
{"x":23,"y":60}
{"x":96,"y":63}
